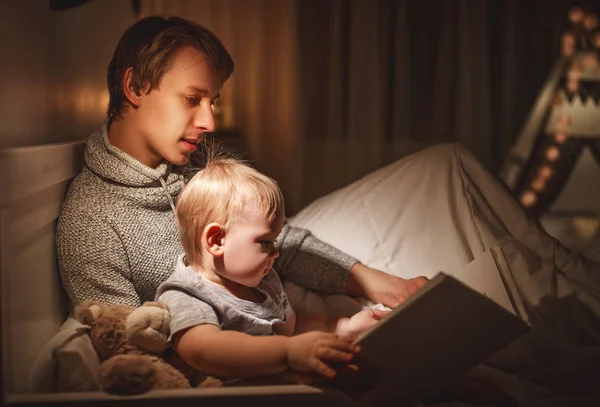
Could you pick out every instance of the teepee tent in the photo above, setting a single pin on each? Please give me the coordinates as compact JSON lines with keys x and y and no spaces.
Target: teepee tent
{"x":553,"y":168}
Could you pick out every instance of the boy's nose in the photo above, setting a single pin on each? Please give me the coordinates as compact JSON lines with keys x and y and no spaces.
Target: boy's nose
{"x":275,"y":253}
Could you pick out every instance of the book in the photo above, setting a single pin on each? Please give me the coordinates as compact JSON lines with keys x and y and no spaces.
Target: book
{"x":443,"y":330}
{"x":490,"y":274}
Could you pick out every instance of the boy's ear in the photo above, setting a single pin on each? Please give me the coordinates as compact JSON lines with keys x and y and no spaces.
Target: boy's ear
{"x":133,"y":95}
{"x":213,"y":238}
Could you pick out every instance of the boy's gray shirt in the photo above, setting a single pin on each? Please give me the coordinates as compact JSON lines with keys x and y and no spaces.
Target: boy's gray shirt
{"x":193,"y":300}
{"x":117,"y":237}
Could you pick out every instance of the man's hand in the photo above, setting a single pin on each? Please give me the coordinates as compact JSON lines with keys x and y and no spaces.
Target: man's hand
{"x":311,"y":352}
{"x":379,"y":287}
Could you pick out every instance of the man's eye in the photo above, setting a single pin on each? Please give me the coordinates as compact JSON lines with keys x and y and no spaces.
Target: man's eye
{"x":192,"y":101}
{"x":266,"y":242}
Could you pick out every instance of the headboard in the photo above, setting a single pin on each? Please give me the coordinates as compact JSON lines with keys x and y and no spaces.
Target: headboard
{"x":32,"y":187}
{"x":33,"y":182}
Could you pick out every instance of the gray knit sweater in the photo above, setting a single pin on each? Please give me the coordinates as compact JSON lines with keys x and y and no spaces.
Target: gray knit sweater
{"x":117,"y":237}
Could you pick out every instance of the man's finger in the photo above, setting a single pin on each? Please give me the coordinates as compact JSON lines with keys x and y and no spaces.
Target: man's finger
{"x":393,"y":301}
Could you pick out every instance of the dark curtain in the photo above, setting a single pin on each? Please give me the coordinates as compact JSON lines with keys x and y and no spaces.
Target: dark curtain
{"x":326,"y":91}
{"x":454,"y":70}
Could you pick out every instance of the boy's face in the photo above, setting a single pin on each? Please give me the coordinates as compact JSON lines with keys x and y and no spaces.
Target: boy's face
{"x":249,"y":249}
{"x":173,"y":117}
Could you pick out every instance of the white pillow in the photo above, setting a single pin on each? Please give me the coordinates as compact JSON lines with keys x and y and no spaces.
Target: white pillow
{"x":67,"y":363}
{"x":409,"y":218}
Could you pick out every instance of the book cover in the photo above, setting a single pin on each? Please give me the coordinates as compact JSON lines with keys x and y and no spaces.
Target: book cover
{"x":443,"y":330}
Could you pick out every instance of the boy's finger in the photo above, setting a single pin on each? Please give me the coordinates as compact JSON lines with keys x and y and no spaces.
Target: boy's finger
{"x":344,"y":347}
{"x":347,"y":370}
{"x":334,"y":355}
{"x":344,"y":342}
{"x":323,"y":369}
{"x":378,"y":313}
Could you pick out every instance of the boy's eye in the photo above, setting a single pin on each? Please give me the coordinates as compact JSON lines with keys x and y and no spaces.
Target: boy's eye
{"x":266,"y":242}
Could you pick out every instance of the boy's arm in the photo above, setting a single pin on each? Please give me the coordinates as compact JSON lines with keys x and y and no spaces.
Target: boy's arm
{"x":197,"y":337}
{"x":199,"y":340}
{"x":231,"y":354}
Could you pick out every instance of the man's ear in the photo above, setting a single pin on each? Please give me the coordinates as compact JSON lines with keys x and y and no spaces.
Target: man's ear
{"x":213,"y":238}
{"x":132,"y":94}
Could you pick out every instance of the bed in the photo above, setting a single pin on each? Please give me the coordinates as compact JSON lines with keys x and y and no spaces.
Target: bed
{"x":435,"y":210}
{"x":34,"y":306}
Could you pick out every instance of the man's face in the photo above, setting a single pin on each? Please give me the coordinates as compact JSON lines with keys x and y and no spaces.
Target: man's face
{"x":173,"y":117}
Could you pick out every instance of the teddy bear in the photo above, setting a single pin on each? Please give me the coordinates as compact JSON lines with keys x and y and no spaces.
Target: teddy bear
{"x":135,"y":356}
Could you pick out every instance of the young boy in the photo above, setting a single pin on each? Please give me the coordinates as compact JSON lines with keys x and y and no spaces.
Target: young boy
{"x":229,"y":314}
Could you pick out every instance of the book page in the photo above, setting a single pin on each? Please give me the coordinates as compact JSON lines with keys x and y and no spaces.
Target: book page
{"x":510,"y":283}
{"x":441,"y":331}
{"x":482,"y":275}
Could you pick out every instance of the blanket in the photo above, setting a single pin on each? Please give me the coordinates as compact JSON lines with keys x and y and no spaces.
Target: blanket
{"x":434,"y":211}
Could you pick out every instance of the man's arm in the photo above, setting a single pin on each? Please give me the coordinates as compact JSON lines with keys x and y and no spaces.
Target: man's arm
{"x":92,"y":262}
{"x":380,"y":287}
{"x":310,"y":262}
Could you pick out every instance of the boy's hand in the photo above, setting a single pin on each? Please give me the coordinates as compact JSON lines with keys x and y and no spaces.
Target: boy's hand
{"x":311,"y":351}
{"x":359,"y":322}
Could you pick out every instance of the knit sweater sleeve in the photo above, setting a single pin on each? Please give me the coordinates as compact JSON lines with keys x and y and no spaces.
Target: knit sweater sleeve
{"x":92,"y":261}
{"x":310,"y":262}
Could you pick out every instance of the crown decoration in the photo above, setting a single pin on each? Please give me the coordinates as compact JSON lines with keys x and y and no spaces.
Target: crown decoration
{"x":584,"y":66}
{"x":582,"y":45}
{"x":584,"y":91}
{"x":576,"y":118}
{"x":582,"y":33}
{"x":575,"y":113}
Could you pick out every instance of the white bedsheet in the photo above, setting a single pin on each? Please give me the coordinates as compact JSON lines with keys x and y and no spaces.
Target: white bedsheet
{"x":435,"y":210}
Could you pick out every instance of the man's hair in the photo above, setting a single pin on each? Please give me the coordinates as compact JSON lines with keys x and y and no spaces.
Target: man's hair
{"x":223,"y":192}
{"x":148,"y":45}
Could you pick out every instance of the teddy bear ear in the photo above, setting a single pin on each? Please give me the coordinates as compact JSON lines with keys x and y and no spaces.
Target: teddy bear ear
{"x":88,"y":311}
{"x":148,"y":327}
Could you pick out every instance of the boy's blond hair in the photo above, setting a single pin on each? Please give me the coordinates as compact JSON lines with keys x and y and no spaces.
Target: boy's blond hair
{"x":223,"y":192}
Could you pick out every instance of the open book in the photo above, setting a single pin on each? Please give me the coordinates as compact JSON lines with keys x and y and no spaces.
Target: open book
{"x":444,"y":329}
{"x":490,"y":274}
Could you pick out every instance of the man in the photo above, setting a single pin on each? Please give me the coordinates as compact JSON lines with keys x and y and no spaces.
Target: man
{"x":117,"y":238}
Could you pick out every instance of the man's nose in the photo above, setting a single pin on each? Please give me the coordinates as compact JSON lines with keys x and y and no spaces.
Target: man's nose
{"x":205,"y":119}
